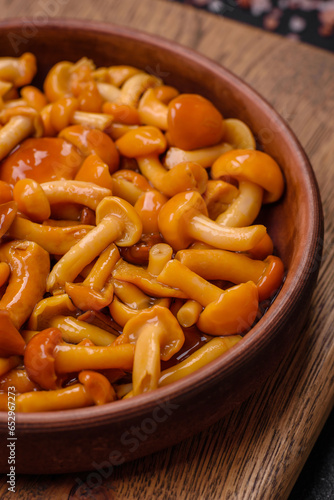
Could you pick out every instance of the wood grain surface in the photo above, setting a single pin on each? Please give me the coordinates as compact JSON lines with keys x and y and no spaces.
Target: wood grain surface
{"x":257,"y":451}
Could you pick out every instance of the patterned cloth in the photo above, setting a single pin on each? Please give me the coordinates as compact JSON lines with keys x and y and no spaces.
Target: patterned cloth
{"x":310,"y":21}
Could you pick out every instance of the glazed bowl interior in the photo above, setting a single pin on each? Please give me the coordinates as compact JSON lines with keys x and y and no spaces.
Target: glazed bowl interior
{"x":294,"y":223}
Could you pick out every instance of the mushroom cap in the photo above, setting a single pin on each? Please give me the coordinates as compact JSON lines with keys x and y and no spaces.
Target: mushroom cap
{"x":175,"y":215}
{"x":39,"y":358}
{"x":233,"y":313}
{"x":254,"y":166}
{"x":121,"y":209}
{"x":97,"y":386}
{"x":172,"y":337}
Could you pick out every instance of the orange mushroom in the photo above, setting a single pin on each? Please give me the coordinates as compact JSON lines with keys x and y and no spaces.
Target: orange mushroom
{"x":205,"y":128}
{"x":117,"y":221}
{"x":29,"y":265}
{"x":226,"y":312}
{"x":39,"y":358}
{"x":148,"y":283}
{"x":92,"y":141}
{"x":183,"y":177}
{"x":253,"y":166}
{"x":97,"y":290}
{"x":55,"y":239}
{"x":158,"y":336}
{"x":31,"y":200}
{"x":204,"y":156}
{"x":184,"y":218}
{"x":94,"y":388}
{"x":204,"y":355}
{"x":18,"y":70}
{"x":142,"y":141}
{"x":18,"y":123}
{"x":238,"y":134}
{"x":96,"y":171}
{"x":19,"y":379}
{"x":214,"y":264}
{"x":148,"y":207}
{"x":43,"y":159}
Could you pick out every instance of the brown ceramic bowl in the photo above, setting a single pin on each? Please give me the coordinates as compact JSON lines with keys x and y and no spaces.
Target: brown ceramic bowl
{"x":82,"y":439}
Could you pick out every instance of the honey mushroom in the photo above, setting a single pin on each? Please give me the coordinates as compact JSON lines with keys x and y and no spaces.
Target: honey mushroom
{"x":184,"y":219}
{"x":96,"y":291}
{"x":18,"y":378}
{"x":204,"y":156}
{"x":56,"y":240}
{"x":184,"y":176}
{"x":146,"y":278}
{"x":129,"y":185}
{"x":218,"y":195}
{"x":226,"y":312}
{"x":93,"y":389}
{"x":133,"y":298}
{"x":117,"y":221}
{"x":18,"y":123}
{"x":92,"y":141}
{"x":74,"y":331}
{"x":47,"y":358}
{"x":64,"y":112}
{"x":94,"y":170}
{"x":157,"y":336}
{"x":133,"y":88}
{"x":29,"y":265}
{"x":204,"y":355}
{"x":210,"y":351}
{"x":237,"y":268}
{"x":18,"y":70}
{"x":58,"y":311}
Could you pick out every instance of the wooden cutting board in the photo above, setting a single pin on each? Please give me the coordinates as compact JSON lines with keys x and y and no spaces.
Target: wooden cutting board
{"x":257,"y":451}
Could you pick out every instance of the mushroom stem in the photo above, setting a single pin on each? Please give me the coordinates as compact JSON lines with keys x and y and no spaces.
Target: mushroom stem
{"x":184,"y":176}
{"x":214,"y":264}
{"x":13,"y":132}
{"x":99,"y":121}
{"x":83,"y":252}
{"x":70,"y":358}
{"x":67,"y":398}
{"x":158,"y":257}
{"x":74,"y":191}
{"x":205,"y":156}
{"x":116,"y":221}
{"x":189,"y":313}
{"x":184,"y":219}
{"x":179,"y":276}
{"x":204,"y":355}
{"x":144,"y":280}
{"x":238,"y":239}
{"x":245,"y":208}
{"x":29,"y":265}
{"x":74,"y":331}
{"x":226,"y":311}
{"x":56,"y":240}
{"x":157,"y":335}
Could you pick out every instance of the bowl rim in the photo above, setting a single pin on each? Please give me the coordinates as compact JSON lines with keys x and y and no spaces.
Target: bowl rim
{"x":94,"y":416}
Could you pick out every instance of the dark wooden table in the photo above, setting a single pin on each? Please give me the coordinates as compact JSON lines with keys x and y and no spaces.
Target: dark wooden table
{"x":257,"y":451}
